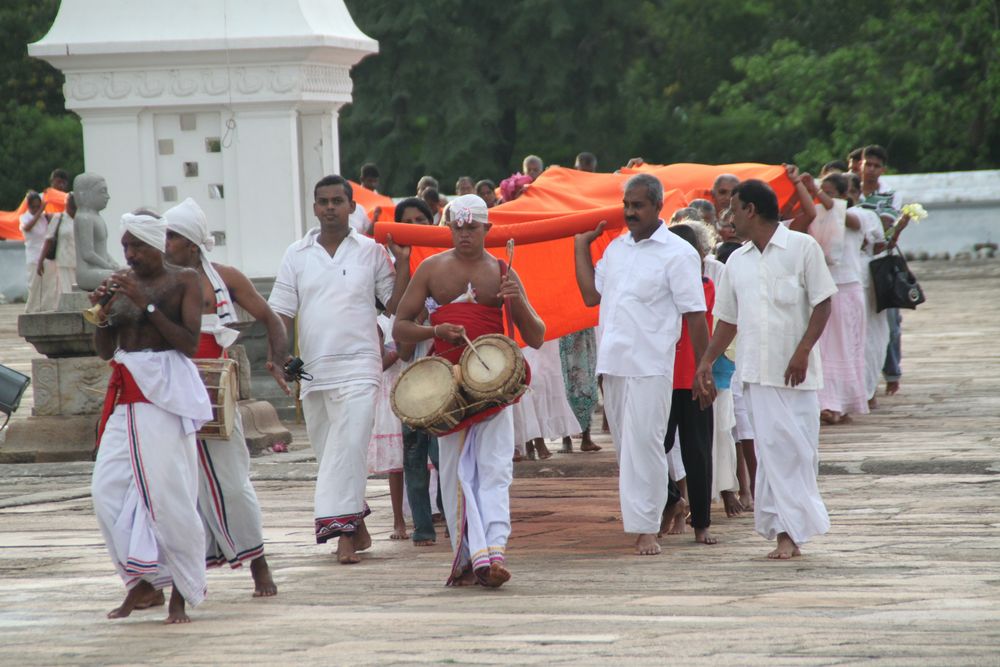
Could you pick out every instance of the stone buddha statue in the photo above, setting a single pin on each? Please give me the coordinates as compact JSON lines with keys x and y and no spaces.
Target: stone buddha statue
{"x":93,"y":264}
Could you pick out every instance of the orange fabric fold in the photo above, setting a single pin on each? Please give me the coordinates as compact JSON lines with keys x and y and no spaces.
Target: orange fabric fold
{"x":372,"y":200}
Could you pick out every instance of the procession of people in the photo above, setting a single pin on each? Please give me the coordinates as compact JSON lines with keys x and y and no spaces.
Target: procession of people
{"x":724,"y":338}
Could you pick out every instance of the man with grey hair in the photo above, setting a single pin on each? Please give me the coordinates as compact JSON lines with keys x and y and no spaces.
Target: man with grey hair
{"x":533,"y":166}
{"x":706,"y":209}
{"x":647,"y":280}
{"x":722,"y":193}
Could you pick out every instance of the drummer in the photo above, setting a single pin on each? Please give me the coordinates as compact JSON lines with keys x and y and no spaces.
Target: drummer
{"x":465,"y":290}
{"x":227,"y":501}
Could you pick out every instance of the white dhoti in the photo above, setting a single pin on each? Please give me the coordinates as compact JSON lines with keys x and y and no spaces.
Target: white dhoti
{"x":723,"y":446}
{"x":876,"y":341}
{"x":675,"y":460}
{"x":339,"y":423}
{"x":43,"y":290}
{"x":227,"y":501}
{"x":476,"y":472}
{"x":145,"y":481}
{"x":786,"y":429}
{"x":842,"y":352}
{"x":743,"y":430}
{"x":638,"y":409}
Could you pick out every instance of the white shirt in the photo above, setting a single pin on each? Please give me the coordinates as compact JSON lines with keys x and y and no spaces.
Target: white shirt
{"x":645,"y":287}
{"x":770,"y":297}
{"x":34,"y":238}
{"x":847,"y":268}
{"x":333,"y":299}
{"x":358,"y":220}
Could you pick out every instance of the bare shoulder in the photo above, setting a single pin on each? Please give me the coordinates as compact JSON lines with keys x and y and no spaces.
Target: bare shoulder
{"x":185,"y":276}
{"x":231,"y":275}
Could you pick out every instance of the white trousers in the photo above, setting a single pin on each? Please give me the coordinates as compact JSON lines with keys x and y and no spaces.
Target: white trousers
{"x":145,"y":490}
{"x":786,"y":429}
{"x":476,"y":472}
{"x":339,"y":423}
{"x":723,"y":446}
{"x":638,"y":409}
{"x":227,"y":501}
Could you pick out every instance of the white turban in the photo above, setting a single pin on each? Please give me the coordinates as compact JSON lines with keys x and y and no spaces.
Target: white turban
{"x":466,"y":209}
{"x":151,"y":231}
{"x":188,"y":220}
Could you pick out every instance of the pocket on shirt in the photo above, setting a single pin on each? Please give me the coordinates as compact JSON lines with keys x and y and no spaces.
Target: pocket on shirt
{"x":786,"y":291}
{"x":647,"y":283}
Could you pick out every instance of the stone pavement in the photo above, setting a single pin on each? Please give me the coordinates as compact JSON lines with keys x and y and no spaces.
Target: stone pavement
{"x":908,"y":575}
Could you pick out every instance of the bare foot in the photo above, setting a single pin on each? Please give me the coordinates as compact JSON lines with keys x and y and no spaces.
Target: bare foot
{"x":567,"y":445}
{"x":872,"y":403}
{"x":141,"y":591}
{"x":529,"y":448}
{"x":399,"y":532}
{"x":786,"y":548}
{"x":175,"y":612}
{"x":424,"y":543}
{"x":497,"y":576}
{"x":646,"y":545}
{"x":346,"y":553}
{"x":468,"y":578}
{"x":673,"y":518}
{"x":588,"y":445}
{"x":542,"y":451}
{"x":845,"y":419}
{"x":263,"y":583}
{"x":732,"y":504}
{"x":517,"y":457}
{"x":154,"y":599}
{"x":437,"y":517}
{"x":746,"y":500}
{"x":362,"y":538}
{"x":891,"y":387}
{"x":703,"y":536}
{"x":829,"y":417}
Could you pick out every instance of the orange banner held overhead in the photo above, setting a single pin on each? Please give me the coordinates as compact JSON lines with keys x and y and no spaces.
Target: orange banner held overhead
{"x":560,"y":204}
{"x":55,"y":202}
{"x":372,"y":201}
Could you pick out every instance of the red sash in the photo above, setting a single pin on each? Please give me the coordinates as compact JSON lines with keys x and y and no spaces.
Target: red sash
{"x":478,"y":320}
{"x":122,"y":390}
{"x":209,"y":348}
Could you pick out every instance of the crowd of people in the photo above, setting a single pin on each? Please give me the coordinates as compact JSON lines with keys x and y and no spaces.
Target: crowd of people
{"x":728,"y":331}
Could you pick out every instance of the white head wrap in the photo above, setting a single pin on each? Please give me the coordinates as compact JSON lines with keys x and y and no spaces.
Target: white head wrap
{"x":151,"y":231}
{"x":188,"y":220}
{"x":466,"y":209}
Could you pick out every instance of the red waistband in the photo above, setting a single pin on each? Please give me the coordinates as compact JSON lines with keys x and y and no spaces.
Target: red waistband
{"x":477,"y":319}
{"x":122,"y":390}
{"x":209,"y":348}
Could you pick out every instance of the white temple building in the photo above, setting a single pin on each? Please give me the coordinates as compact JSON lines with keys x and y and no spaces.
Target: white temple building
{"x":231,"y":102}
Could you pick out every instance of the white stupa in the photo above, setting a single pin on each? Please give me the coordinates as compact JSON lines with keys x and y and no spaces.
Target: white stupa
{"x":231,"y":102}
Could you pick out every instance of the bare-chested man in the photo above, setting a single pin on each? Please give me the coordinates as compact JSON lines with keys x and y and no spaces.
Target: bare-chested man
{"x":465,"y":290}
{"x":145,"y":483}
{"x":226,"y":498}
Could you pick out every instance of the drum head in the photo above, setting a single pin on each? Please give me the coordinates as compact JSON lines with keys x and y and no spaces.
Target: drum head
{"x":497,"y":366}
{"x":424,"y":389}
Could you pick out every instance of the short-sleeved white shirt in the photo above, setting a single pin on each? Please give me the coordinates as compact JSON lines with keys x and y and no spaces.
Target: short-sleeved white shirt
{"x":769,"y":296}
{"x":34,"y":238}
{"x":333,"y":299}
{"x":645,"y":287}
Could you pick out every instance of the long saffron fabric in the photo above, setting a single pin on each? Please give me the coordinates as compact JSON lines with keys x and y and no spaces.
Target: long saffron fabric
{"x":55,"y":202}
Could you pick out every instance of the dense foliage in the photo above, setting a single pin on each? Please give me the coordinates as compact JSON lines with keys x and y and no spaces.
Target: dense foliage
{"x":471,"y":87}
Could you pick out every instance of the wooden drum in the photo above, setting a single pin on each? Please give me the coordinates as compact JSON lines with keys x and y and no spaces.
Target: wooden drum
{"x":501,"y":380}
{"x":426,"y":396}
{"x":219,"y":376}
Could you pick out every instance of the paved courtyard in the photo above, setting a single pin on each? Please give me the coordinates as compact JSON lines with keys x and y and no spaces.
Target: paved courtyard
{"x":908,"y":575}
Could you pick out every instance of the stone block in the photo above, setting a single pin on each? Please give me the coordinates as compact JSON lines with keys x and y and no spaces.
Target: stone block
{"x":69,"y":386}
{"x":49,"y":439}
{"x":58,"y":334}
{"x":261,"y":426}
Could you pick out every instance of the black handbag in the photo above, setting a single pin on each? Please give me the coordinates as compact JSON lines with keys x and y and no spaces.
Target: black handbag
{"x":12,"y":386}
{"x":895,"y":285}
{"x":52,"y":243}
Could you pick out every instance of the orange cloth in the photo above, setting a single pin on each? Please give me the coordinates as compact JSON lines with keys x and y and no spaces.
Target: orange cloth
{"x":372,"y":200}
{"x":564,"y":202}
{"x":55,"y":202}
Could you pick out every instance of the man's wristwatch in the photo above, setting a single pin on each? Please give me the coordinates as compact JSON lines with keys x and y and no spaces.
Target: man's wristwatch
{"x":150,"y":309}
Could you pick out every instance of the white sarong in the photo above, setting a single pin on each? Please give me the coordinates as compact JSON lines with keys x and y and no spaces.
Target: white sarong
{"x":339,"y":422}
{"x":145,"y":481}
{"x":786,"y":430}
{"x":743,"y":430}
{"x":227,"y":501}
{"x":723,"y":446}
{"x":476,"y":472}
{"x":544,"y":410}
{"x":876,"y":341}
{"x":638,"y":409}
{"x":842,"y":352}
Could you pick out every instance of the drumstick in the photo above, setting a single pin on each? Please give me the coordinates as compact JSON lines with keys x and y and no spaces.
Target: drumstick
{"x":510,"y":253}
{"x":475,"y":351}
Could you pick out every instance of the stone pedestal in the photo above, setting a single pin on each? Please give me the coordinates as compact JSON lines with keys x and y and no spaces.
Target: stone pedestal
{"x":69,"y":386}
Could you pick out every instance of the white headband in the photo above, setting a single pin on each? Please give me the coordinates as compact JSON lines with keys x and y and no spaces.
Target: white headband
{"x":151,"y":231}
{"x":467,"y":209}
{"x":188,"y":220}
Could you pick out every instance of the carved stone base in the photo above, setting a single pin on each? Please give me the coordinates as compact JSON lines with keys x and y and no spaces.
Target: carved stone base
{"x":261,"y":426}
{"x":49,"y":439}
{"x":69,"y":386}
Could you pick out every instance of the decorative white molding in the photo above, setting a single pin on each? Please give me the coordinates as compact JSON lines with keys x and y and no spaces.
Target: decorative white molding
{"x":195,"y":86}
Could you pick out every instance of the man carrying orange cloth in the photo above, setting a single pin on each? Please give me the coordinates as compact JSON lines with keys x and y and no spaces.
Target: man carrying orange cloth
{"x":465,"y":290}
{"x":145,"y":482}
